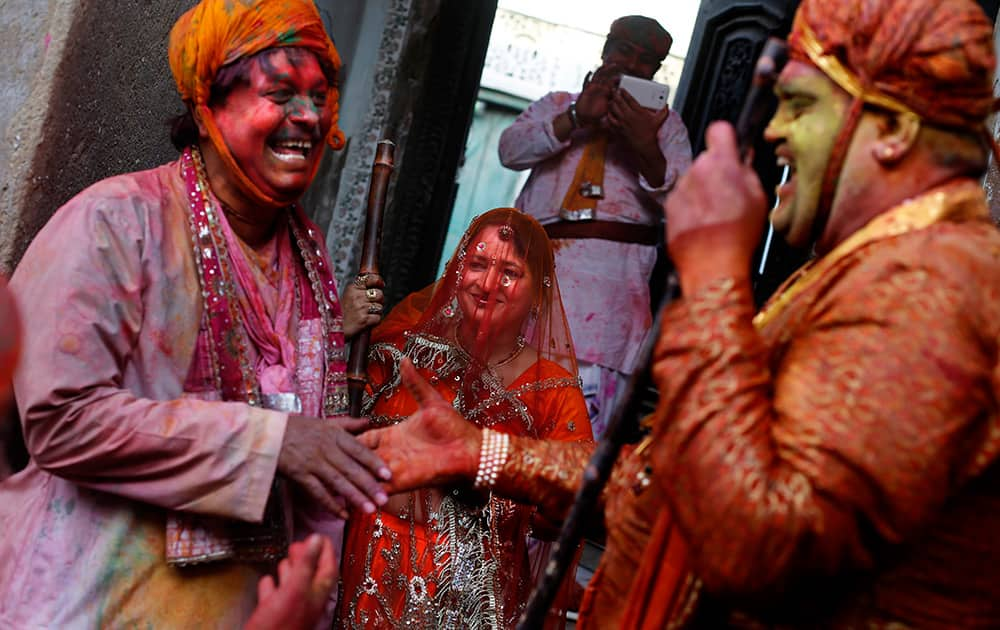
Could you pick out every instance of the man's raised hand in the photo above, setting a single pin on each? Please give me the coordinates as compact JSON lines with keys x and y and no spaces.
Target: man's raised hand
{"x":636,"y":124}
{"x":715,"y":214}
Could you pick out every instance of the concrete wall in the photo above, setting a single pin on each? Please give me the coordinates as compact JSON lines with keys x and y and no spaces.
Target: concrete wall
{"x":88,"y":96}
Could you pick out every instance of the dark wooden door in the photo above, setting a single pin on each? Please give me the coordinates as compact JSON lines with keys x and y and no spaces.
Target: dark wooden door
{"x":417,"y":215}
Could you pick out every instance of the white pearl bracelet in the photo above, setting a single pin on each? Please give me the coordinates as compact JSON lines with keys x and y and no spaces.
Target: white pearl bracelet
{"x":492,"y":456}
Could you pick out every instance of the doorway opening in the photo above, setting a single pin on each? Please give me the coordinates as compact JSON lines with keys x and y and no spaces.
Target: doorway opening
{"x":536,"y":48}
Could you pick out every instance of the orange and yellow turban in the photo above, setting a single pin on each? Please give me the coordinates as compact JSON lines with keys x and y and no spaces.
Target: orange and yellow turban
{"x":216,"y":33}
{"x":933,"y":58}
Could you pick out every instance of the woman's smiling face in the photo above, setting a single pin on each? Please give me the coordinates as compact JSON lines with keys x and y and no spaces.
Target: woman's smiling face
{"x":495,"y":292}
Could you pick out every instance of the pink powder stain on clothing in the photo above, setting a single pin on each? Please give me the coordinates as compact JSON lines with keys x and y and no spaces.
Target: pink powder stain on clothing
{"x":590,"y":316}
{"x":163,"y":342}
{"x":48,"y":40}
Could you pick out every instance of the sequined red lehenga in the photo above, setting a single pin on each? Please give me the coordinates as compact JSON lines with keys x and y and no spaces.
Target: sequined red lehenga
{"x":458,"y":557}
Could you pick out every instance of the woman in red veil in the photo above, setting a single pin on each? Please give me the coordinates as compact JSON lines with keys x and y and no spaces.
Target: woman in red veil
{"x":492,"y":338}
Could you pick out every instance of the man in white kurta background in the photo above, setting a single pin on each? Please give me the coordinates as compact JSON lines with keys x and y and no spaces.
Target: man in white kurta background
{"x":602,"y":166}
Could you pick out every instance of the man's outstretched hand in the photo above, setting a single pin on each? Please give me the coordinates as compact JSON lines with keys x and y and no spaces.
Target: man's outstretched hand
{"x":435,"y":446}
{"x":325,"y":460}
{"x":305,"y":579}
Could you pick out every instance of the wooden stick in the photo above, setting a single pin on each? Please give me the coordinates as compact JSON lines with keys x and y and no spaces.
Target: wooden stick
{"x":357,"y":364}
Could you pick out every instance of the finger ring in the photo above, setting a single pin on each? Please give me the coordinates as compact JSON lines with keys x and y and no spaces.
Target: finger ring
{"x":374,"y":309}
{"x":361,"y":280}
{"x":372,"y":294}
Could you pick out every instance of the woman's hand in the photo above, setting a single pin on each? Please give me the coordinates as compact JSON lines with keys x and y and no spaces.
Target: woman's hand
{"x":435,"y":446}
{"x":362,"y":303}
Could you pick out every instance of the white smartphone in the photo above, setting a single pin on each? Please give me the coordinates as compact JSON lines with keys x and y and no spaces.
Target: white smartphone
{"x":649,"y":94}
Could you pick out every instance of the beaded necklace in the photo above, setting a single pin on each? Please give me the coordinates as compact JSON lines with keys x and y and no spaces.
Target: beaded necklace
{"x":234,"y":376}
{"x":195,"y":538}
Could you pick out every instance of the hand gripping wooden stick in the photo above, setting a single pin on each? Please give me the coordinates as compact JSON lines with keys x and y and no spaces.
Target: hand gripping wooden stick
{"x":357,"y":364}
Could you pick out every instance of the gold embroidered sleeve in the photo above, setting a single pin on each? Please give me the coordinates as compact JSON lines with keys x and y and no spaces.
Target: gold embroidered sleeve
{"x":544,"y":473}
{"x":784,"y":457}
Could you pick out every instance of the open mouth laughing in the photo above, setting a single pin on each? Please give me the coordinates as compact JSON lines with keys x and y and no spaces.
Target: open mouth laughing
{"x":292,"y":151}
{"x":784,"y":191}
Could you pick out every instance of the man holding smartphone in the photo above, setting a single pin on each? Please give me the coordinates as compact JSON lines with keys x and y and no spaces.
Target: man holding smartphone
{"x":602,"y":166}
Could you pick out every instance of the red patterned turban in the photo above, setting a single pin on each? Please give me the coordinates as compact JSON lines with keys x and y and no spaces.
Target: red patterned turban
{"x":932,"y":57}
{"x":216,"y":33}
{"x":643,"y":32}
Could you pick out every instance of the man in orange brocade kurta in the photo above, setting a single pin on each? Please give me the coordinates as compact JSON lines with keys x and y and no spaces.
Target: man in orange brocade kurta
{"x":831,"y":460}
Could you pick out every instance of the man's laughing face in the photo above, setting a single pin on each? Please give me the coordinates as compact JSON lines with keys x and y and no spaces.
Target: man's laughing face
{"x":811,"y":111}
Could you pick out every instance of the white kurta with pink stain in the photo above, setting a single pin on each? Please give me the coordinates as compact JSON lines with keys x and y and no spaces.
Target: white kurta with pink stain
{"x":604,"y":284}
{"x":111,"y":303}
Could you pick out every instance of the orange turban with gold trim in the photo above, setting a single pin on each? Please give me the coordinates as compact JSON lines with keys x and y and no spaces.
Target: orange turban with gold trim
{"x":216,"y":33}
{"x":931,"y":57}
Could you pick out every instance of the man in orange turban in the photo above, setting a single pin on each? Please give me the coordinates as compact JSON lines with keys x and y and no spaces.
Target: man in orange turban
{"x":182,"y":386}
{"x":832,"y":460}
